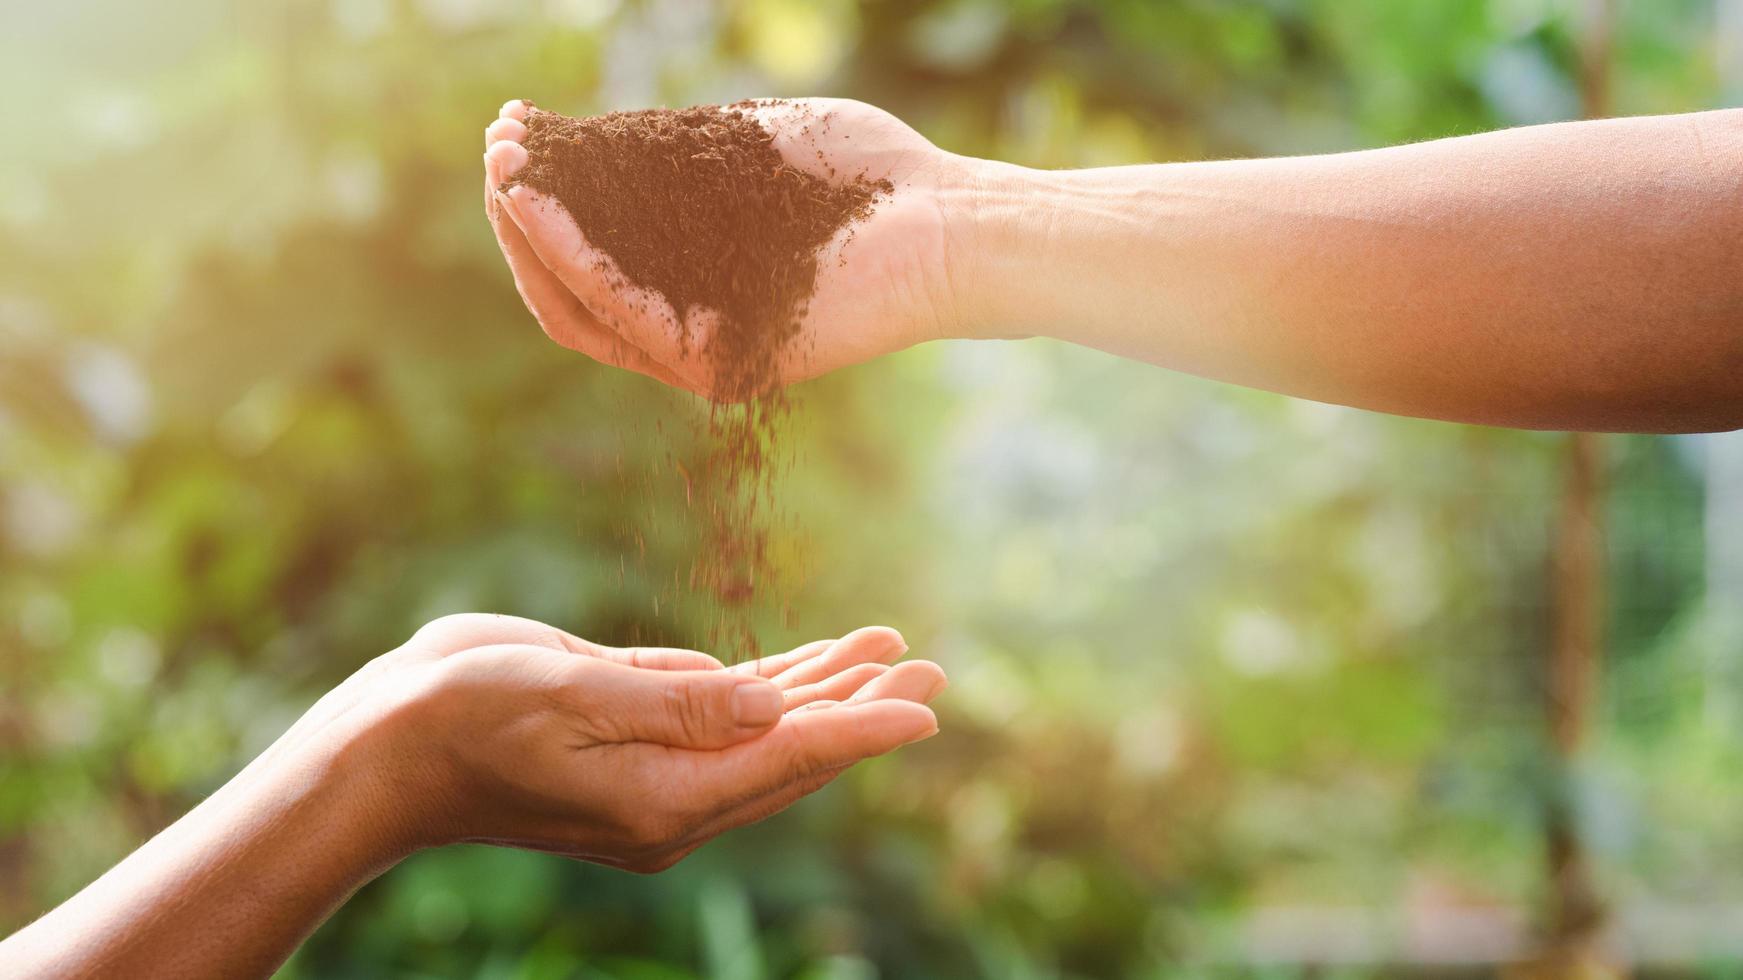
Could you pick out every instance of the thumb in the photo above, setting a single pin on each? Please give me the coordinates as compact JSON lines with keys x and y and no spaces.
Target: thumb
{"x":692,"y":709}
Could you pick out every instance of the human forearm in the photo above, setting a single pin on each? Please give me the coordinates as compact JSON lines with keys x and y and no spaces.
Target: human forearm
{"x":1573,"y":276}
{"x":233,"y":887}
{"x":483,"y":728}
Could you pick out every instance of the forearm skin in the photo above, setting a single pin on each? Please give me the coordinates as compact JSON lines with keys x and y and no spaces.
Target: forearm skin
{"x":1573,"y":276}
{"x":229,"y":890}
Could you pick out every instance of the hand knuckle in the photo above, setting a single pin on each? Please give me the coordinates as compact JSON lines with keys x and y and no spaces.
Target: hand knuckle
{"x":689,"y":705}
{"x":795,"y":752}
{"x":458,"y":673}
{"x":450,"y":623}
{"x":385,"y":663}
{"x":444,"y":633}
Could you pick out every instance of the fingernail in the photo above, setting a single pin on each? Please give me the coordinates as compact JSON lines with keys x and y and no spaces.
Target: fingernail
{"x":938,"y":687}
{"x":756,"y":705}
{"x":923,"y":735}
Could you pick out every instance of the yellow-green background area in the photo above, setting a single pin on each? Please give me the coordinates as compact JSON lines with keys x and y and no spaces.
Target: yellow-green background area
{"x":1241,"y":684}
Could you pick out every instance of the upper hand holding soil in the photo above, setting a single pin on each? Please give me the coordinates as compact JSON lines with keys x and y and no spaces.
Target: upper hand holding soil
{"x":726,"y":250}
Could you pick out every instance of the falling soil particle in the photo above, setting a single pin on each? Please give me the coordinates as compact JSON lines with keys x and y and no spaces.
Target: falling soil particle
{"x":698,"y":206}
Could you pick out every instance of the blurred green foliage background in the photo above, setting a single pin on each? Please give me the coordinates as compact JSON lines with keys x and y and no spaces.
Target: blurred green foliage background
{"x":1241,"y":685}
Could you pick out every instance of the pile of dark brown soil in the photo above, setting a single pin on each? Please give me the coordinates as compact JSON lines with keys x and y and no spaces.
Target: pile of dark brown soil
{"x":698,"y":206}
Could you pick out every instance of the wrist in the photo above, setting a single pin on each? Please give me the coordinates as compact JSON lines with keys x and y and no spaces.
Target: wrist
{"x":363,"y":771}
{"x":1001,"y":226}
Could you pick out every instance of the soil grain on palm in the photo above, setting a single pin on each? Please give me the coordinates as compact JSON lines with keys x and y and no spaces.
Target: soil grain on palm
{"x":698,"y":205}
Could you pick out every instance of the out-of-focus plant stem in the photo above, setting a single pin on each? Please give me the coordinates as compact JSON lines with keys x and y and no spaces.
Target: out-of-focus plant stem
{"x":1577,"y":914}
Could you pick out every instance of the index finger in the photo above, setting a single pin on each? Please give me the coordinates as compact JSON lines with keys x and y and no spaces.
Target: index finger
{"x":660,"y":658}
{"x":800,"y":746}
{"x":775,"y":663}
{"x":868,"y":644}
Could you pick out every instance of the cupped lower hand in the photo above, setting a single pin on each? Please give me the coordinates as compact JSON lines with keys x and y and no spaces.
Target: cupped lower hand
{"x":882,"y":284}
{"x":507,"y":731}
